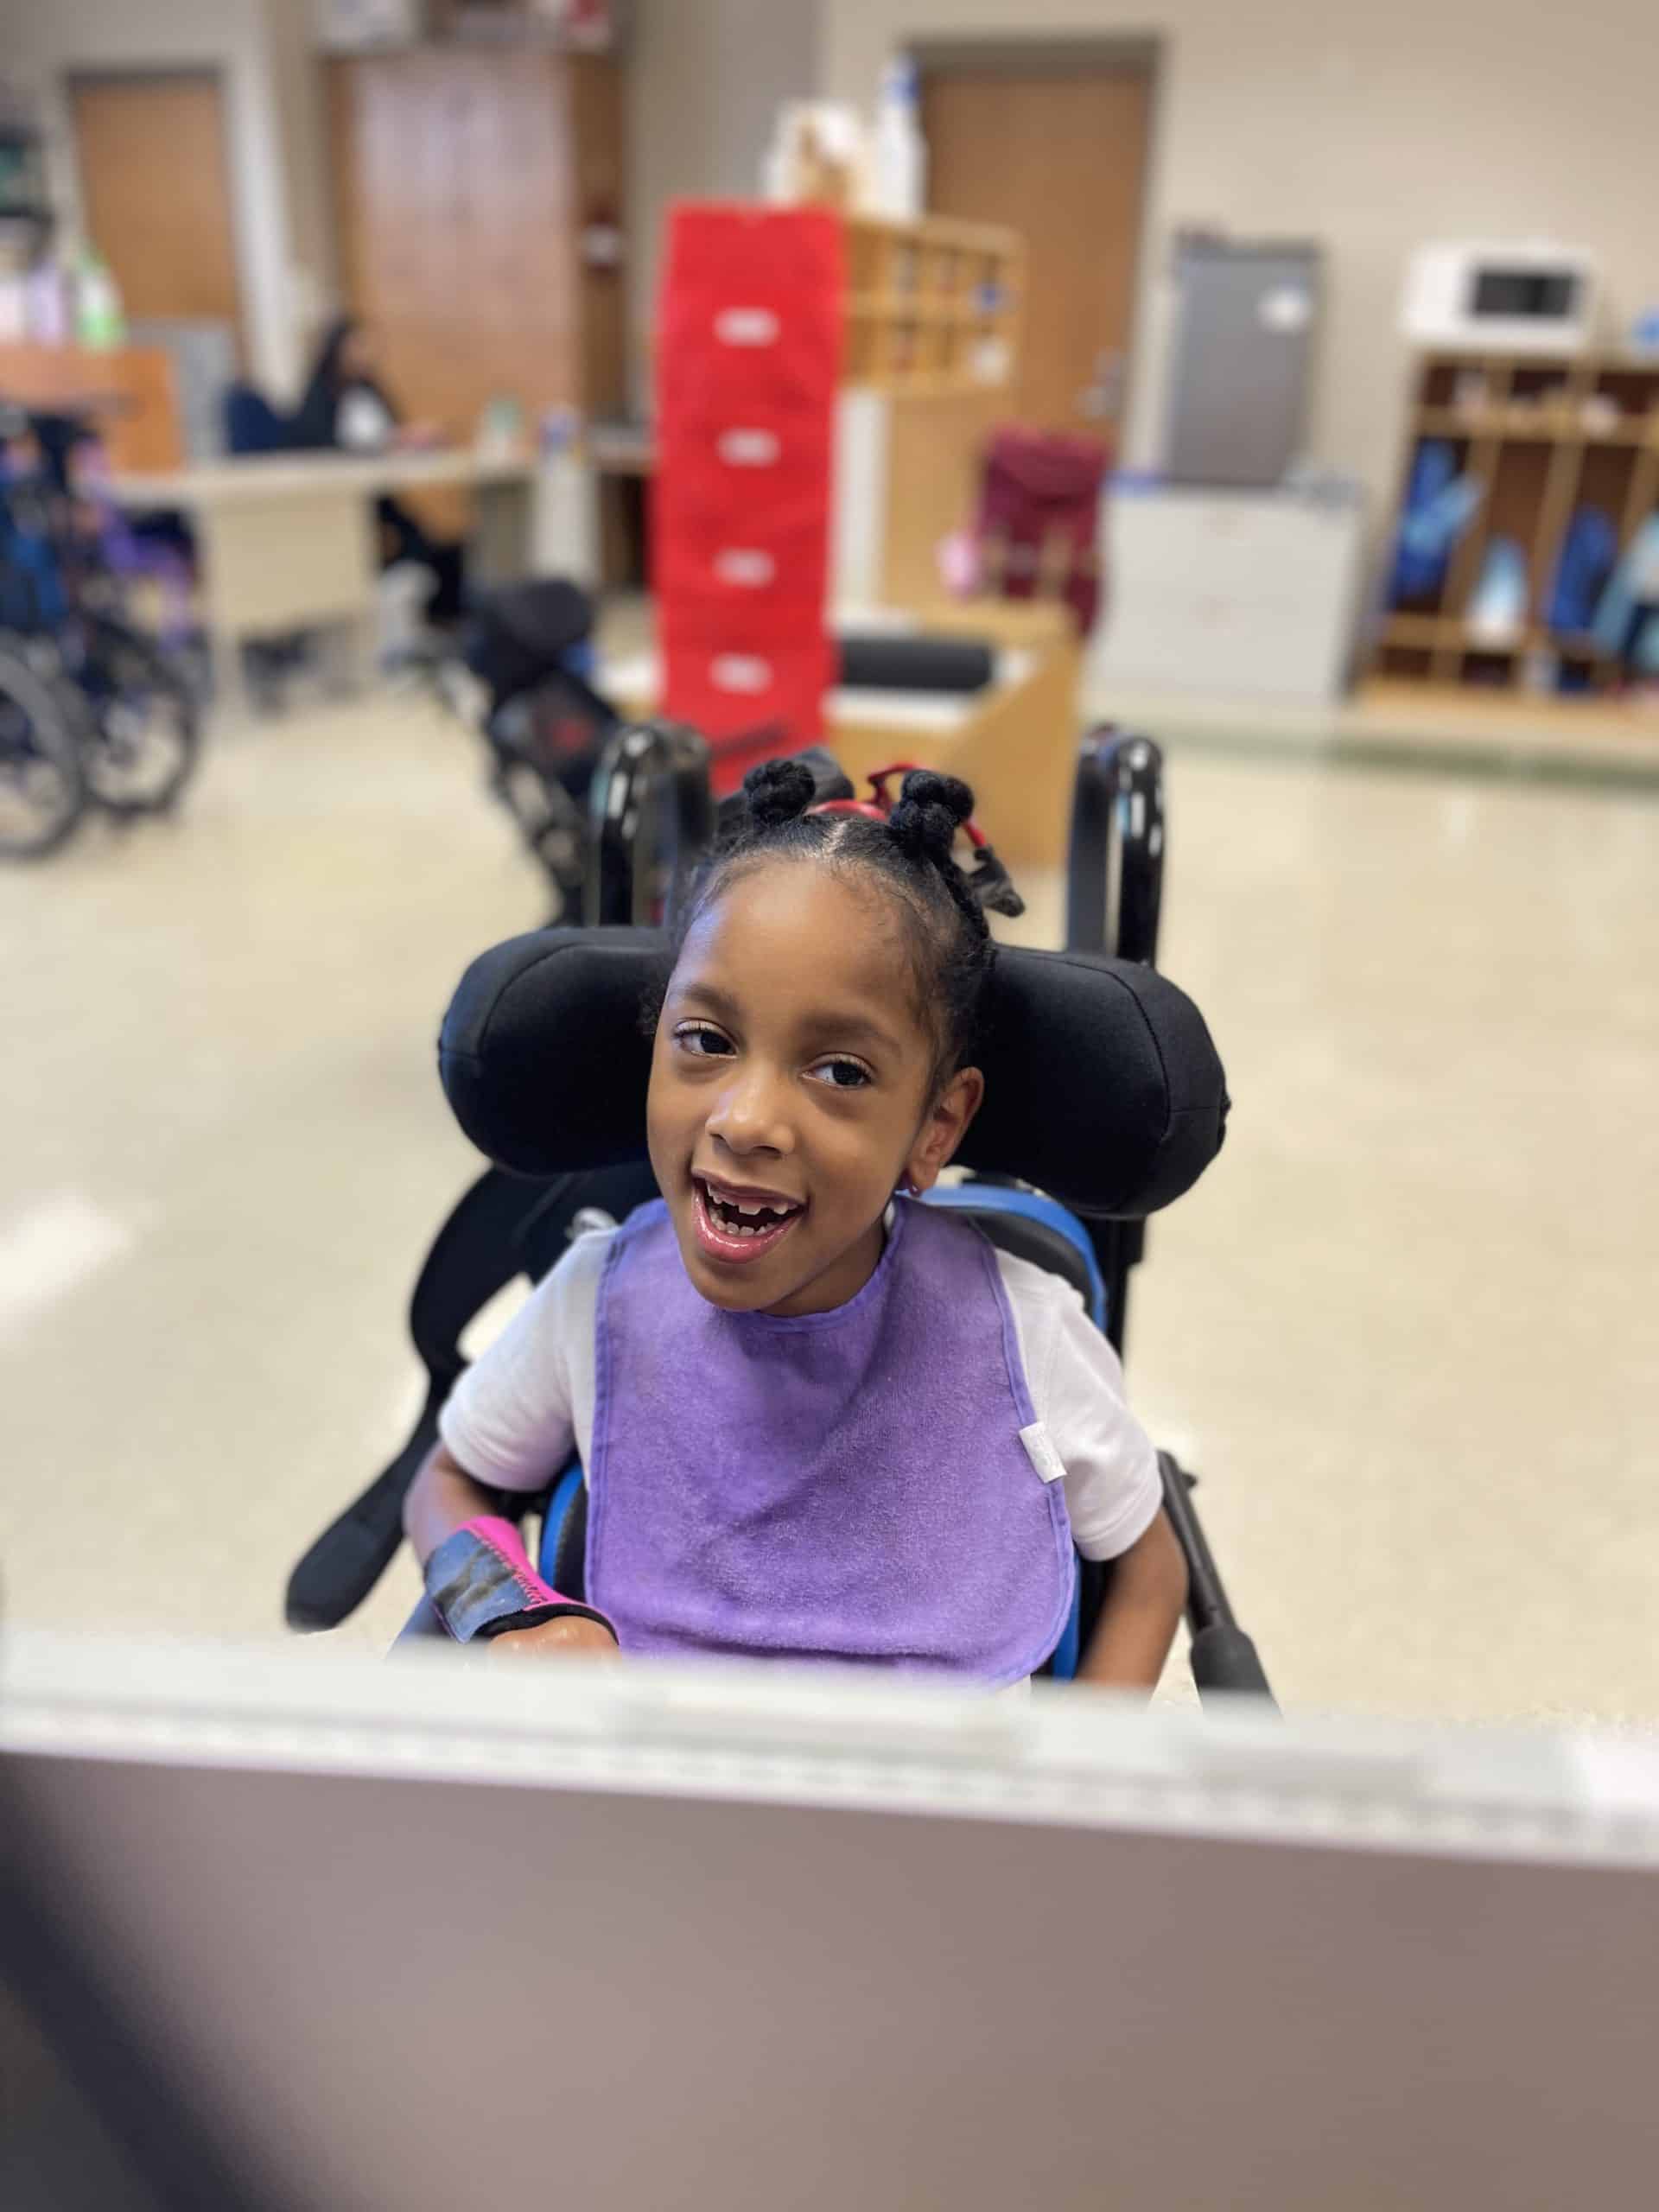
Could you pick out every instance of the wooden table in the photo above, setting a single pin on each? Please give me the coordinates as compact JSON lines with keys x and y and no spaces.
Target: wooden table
{"x":129,"y":393}
{"x":288,"y":541}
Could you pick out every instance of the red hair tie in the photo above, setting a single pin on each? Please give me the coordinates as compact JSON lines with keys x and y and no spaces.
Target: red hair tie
{"x":879,"y":804}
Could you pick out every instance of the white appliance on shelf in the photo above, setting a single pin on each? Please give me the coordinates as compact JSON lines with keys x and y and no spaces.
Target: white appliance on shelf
{"x":368,"y":26}
{"x":1245,"y":594}
{"x":1527,"y":298}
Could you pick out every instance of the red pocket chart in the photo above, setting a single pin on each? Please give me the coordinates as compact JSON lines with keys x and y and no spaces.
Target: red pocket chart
{"x":747,"y":361}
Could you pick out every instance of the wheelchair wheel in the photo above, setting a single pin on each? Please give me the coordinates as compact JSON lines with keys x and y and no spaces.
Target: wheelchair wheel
{"x":42,"y":778}
{"x":144,"y":725}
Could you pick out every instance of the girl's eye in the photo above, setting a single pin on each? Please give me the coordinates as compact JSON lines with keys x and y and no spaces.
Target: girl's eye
{"x":841,"y":1074}
{"x":702,"y":1041}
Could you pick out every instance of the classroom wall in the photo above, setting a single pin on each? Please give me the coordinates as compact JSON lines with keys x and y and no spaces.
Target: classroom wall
{"x":255,"y":44}
{"x":1370,"y":128}
{"x":299,"y":89}
{"x":706,"y":78}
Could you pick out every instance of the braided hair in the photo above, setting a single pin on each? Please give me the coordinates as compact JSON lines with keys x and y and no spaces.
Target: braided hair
{"x":948,"y":946}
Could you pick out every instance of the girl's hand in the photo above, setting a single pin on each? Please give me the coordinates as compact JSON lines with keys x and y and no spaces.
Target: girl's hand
{"x":571,"y":1638}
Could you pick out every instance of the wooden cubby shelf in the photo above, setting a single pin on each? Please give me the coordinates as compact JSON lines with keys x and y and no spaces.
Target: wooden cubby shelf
{"x":1542,"y":436}
{"x":933,"y":307}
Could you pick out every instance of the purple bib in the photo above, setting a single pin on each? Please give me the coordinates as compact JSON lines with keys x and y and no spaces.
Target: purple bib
{"x":850,"y":1485}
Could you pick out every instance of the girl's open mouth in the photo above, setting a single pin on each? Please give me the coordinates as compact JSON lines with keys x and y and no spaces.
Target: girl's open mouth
{"x":736,"y":1227}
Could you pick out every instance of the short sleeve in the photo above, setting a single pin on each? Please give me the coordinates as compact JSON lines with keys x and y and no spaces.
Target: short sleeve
{"x":512,"y":1420}
{"x":1113,"y":1488}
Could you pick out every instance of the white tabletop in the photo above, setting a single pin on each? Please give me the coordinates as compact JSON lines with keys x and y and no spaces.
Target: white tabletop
{"x":288,"y":475}
{"x":772,"y":1937}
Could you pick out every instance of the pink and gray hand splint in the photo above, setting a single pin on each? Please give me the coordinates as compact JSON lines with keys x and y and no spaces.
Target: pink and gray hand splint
{"x":482,"y":1585}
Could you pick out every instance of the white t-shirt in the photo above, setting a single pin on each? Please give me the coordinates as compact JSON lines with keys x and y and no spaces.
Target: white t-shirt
{"x":525,"y":1407}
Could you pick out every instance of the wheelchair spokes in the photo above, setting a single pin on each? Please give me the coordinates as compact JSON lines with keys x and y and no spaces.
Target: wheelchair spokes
{"x":42,"y":776}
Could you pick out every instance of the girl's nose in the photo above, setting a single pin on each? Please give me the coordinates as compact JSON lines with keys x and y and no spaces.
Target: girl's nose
{"x":749,"y":1116}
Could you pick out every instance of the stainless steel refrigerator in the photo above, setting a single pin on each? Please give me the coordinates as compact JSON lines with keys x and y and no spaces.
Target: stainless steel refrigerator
{"x":1246,"y":316}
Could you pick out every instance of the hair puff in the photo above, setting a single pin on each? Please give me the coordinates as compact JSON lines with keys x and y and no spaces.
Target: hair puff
{"x":930,"y":809}
{"x":778,"y":792}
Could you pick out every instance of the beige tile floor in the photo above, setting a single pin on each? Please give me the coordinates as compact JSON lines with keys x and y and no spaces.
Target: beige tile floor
{"x":1408,"y":1328}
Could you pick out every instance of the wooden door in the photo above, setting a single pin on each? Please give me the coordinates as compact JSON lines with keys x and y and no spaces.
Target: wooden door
{"x":460,"y":198}
{"x":1060,"y":153}
{"x":156,"y":191}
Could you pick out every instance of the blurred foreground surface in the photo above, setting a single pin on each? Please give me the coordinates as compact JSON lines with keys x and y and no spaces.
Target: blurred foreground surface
{"x":791,"y":1938}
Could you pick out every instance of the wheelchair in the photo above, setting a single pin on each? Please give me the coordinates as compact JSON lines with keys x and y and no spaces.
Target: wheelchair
{"x":612,"y":815}
{"x":1105,"y":1100}
{"x":110,"y":715}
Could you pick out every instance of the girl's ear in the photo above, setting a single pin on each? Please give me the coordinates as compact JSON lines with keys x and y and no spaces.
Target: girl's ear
{"x":944,"y":1129}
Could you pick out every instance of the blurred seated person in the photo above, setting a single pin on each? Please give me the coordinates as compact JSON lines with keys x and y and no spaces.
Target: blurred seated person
{"x":345,"y":408}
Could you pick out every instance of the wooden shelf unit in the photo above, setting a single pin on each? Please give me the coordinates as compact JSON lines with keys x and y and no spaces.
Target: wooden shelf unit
{"x":933,"y":307}
{"x":1543,"y":435}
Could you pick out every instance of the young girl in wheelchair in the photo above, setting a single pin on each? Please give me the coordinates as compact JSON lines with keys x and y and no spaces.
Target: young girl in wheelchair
{"x":818,"y":1420}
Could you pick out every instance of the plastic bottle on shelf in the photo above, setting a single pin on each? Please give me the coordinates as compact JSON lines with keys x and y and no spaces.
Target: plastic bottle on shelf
{"x":899,"y":152}
{"x":100,"y":322}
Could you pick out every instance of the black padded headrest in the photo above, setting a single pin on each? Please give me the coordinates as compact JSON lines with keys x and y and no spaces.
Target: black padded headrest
{"x":1101,"y":1086}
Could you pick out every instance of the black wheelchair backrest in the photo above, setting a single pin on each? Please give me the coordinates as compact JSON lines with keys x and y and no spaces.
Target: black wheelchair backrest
{"x":1101,"y":1085}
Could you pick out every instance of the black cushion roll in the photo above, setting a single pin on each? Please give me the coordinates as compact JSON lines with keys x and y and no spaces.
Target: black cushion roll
{"x":886,"y":661}
{"x":1101,"y":1085}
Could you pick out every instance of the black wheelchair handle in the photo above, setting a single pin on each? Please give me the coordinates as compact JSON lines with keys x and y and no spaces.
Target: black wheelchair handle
{"x":1224,"y":1662}
{"x":1115,"y":862}
{"x":652,"y":783}
{"x":1222,"y":1656}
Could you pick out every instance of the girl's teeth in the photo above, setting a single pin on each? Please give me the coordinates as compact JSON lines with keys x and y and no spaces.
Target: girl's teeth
{"x":744,"y":1218}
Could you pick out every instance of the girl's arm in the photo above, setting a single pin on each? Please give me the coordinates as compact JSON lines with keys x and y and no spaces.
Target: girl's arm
{"x":444,"y":1497}
{"x":1144,"y":1604}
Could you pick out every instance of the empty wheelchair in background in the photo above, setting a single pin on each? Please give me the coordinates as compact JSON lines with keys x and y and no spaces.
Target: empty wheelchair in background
{"x":42,"y":772}
{"x":68,"y":561}
{"x":611,"y":813}
{"x":521,"y":680}
{"x":1105,"y":1100}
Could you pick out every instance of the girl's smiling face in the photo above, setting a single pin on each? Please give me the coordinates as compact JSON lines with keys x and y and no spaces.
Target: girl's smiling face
{"x":793,"y":1088}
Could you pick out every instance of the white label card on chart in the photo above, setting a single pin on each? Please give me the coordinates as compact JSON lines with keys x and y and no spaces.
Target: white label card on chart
{"x":748,"y":449}
{"x":746,"y":326}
